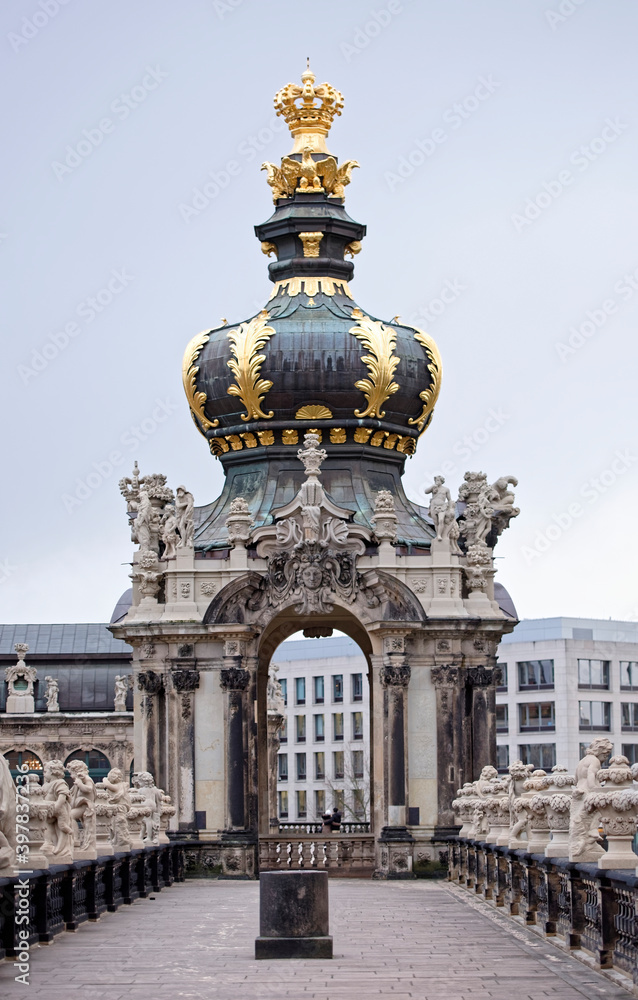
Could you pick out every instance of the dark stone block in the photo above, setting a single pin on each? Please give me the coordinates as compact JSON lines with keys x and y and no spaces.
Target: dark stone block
{"x":293,"y":915}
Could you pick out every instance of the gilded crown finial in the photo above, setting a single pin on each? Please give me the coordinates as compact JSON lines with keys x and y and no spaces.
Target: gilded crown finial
{"x":309,"y":121}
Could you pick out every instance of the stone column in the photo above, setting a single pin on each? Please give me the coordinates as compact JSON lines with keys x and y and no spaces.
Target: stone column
{"x":452,"y":769}
{"x":275,"y":722}
{"x":234,"y":681}
{"x":151,"y":684}
{"x":482,"y":683}
{"x":396,"y":849}
{"x":185,"y":683}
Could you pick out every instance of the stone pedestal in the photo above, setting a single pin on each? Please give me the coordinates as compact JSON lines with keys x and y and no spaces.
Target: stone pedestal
{"x":293,"y":916}
{"x":18,"y":704}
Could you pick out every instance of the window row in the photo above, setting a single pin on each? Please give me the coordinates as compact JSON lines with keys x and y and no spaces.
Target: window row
{"x":543,"y":755}
{"x":356,"y":765}
{"x":319,"y":690}
{"x":357,"y":811}
{"x":319,"y":728}
{"x":97,"y":763}
{"x":540,"y":717}
{"x":592,"y":674}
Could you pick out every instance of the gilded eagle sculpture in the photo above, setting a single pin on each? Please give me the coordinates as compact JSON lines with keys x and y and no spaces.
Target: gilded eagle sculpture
{"x":309,"y":175}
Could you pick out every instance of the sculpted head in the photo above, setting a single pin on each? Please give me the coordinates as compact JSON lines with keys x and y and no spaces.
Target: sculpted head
{"x":143,"y":779}
{"x":115,"y":775}
{"x":53,"y":769}
{"x":77,"y":769}
{"x":601,"y":747}
{"x":489,"y":773}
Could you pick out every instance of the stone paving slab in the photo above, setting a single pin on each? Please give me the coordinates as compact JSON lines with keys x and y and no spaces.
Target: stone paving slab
{"x":403,"y":940}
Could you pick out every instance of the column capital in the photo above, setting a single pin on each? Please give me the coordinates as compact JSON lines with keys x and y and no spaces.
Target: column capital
{"x":185,"y":680}
{"x":234,"y":679}
{"x":444,"y":675}
{"x":481,"y":676}
{"x":150,"y":681}
{"x":395,"y":673}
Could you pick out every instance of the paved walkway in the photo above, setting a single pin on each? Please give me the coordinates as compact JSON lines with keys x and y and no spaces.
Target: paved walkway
{"x":392,"y":939}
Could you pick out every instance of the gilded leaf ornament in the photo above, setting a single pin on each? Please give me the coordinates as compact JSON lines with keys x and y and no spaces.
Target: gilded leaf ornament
{"x":245,"y":343}
{"x":431,"y":394}
{"x":190,"y":368}
{"x":380,"y":340}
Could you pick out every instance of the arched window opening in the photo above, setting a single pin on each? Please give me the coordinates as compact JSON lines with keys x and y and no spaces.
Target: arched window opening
{"x":16,"y":759}
{"x":97,"y":763}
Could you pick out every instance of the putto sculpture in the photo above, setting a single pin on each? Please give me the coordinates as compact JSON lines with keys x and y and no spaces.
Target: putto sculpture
{"x":584,"y":838}
{"x":83,"y":810}
{"x":58,"y":833}
{"x":52,"y":694}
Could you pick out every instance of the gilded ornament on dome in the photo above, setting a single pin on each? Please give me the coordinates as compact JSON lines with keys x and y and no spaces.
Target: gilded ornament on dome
{"x":313,"y":413}
{"x":362,"y":434}
{"x":308,"y":176}
{"x":290,"y":437}
{"x":352,"y":248}
{"x":311,"y":243}
{"x":268,"y":249}
{"x":311,"y":286}
{"x":380,"y":340}
{"x":430,"y":395}
{"x":337,"y":435}
{"x":245,"y":343}
{"x":266,"y":437}
{"x":235,"y":442}
{"x":309,"y":122}
{"x":196,"y":400}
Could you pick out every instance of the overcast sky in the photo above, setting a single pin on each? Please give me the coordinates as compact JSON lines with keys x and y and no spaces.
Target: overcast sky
{"x":497,"y":143}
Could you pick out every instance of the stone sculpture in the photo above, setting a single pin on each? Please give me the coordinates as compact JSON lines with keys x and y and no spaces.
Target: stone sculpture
{"x":239,"y":522}
{"x":118,"y":796}
{"x":557,"y":801}
{"x":275,"y":697}
{"x":584,"y":839}
{"x":20,"y":679}
{"x":440,"y":505}
{"x":616,"y":804}
{"x":58,"y":834}
{"x":8,"y":819}
{"x":167,"y":811}
{"x":168,"y":532}
{"x":122,"y":683}
{"x":150,"y":798}
{"x":83,"y":811}
{"x":39,"y":811}
{"x":52,"y":692}
{"x":184,"y":505}
{"x":385,"y":517}
{"x":538,"y":828}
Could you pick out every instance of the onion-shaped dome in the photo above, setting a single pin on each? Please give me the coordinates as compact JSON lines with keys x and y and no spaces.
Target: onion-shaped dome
{"x":312,"y":358}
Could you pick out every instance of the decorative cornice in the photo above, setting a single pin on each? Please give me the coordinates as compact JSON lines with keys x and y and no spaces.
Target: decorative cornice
{"x":311,"y":287}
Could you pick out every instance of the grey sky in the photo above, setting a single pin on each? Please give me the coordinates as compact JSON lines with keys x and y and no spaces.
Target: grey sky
{"x":534,"y":85}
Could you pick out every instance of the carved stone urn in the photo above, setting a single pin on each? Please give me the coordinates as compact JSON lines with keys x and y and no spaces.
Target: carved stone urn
{"x":463,"y":807}
{"x":617,"y":806}
{"x":538,"y":830}
{"x":104,"y":816}
{"x":497,"y":808}
{"x":167,"y":810}
{"x":557,"y":802}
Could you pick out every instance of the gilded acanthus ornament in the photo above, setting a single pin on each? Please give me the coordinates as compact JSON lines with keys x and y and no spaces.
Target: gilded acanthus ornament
{"x":431,"y":394}
{"x":196,"y":400}
{"x":381,"y":362}
{"x":245,"y":343}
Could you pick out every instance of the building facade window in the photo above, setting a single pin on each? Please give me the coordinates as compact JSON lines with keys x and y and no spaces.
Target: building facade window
{"x":337,"y":687}
{"x":594,"y":715}
{"x":282,"y":800}
{"x":301,"y":766}
{"x":582,"y":750}
{"x":338,"y":765}
{"x":593,"y":674}
{"x":357,"y":763}
{"x":535,"y":675}
{"x":357,"y":725}
{"x":97,"y":763}
{"x":359,"y":804}
{"x":537,"y":717}
{"x":300,"y":690}
{"x":320,"y":728}
{"x":357,"y":687}
{"x":320,"y":766}
{"x":282,"y":766}
{"x":300,"y":728}
{"x":502,"y":758}
{"x":628,"y":675}
{"x":302,"y":810}
{"x":629,"y":717}
{"x":539,"y":755}
{"x":320,"y":803}
{"x":502,"y":719}
{"x":337,"y":726}
{"x":283,"y":732}
{"x":318,"y":690}
{"x":338,"y":799}
{"x":502,"y":684}
{"x":284,"y":689}
{"x":630,"y":751}
{"x":18,"y":758}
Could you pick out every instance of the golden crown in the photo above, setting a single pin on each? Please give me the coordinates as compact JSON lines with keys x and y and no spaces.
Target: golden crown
{"x":309,"y":122}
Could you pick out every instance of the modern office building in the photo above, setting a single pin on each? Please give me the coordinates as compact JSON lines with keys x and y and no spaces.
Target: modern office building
{"x":564,"y":682}
{"x":324,"y":757}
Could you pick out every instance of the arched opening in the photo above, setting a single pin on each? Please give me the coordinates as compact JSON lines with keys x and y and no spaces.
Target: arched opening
{"x":321,"y":760}
{"x":97,"y":763}
{"x":16,"y":760}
